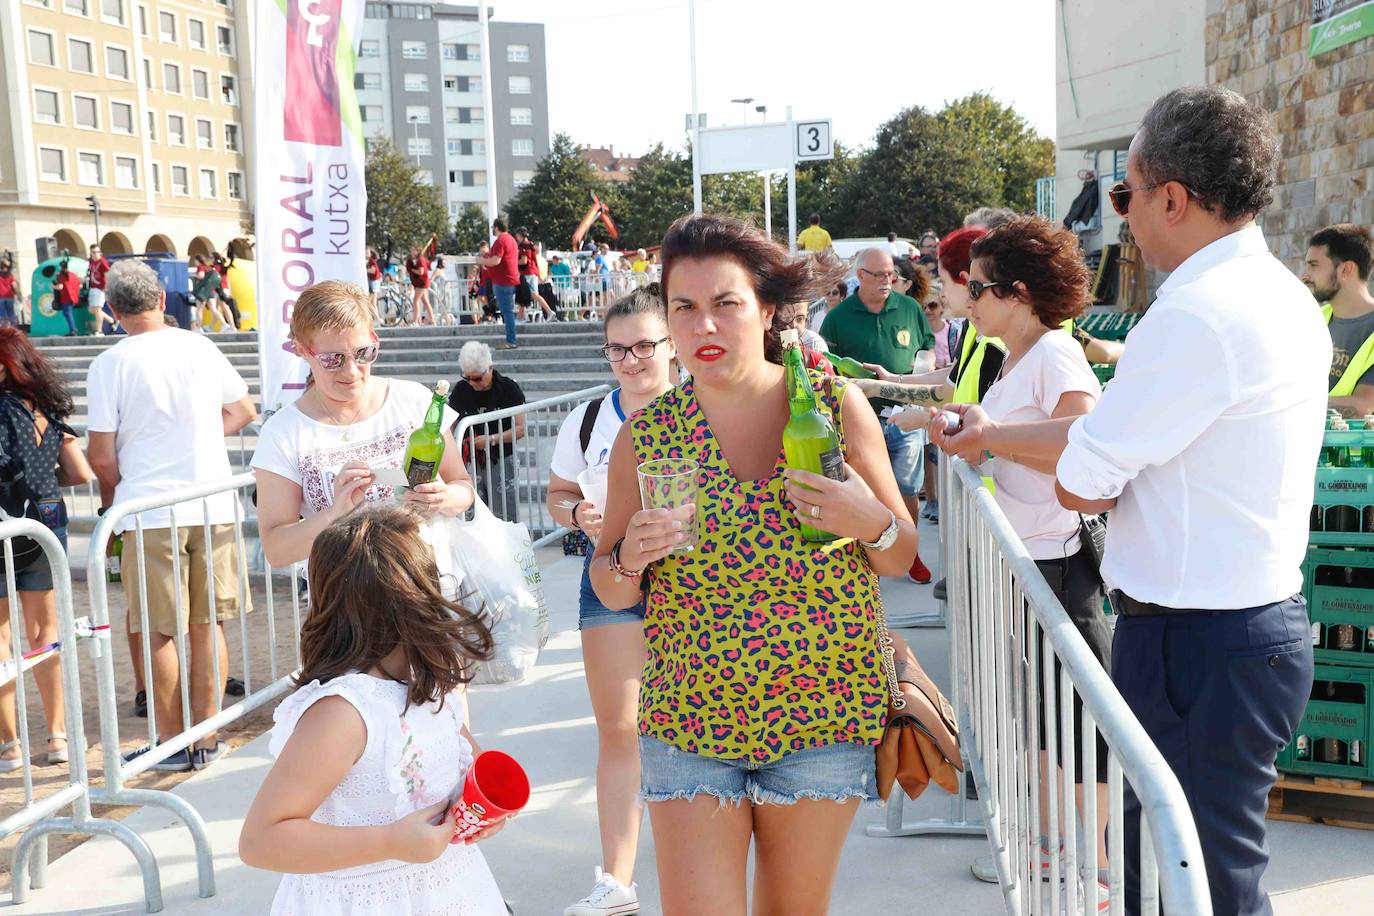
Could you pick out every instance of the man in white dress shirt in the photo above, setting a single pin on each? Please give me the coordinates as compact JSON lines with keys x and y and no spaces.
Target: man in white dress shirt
{"x":1204,"y":447}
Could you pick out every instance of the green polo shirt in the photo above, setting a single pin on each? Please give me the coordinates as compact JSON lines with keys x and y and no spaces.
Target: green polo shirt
{"x":889,"y":338}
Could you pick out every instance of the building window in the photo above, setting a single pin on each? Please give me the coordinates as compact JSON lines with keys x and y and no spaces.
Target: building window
{"x":469,"y":116}
{"x":147,"y":73}
{"x":521,"y":117}
{"x":224,"y":38}
{"x":418,"y":146}
{"x":454,"y":116}
{"x":453,"y":148}
{"x":79,"y":56}
{"x":454,"y":176}
{"x":167,"y":26}
{"x":181,"y":181}
{"x":517,"y":54}
{"x":75,"y":7}
{"x":195,"y":34}
{"x":52,"y":164}
{"x":450,"y":84}
{"x":519,"y":85}
{"x":521,"y":177}
{"x":121,"y":117}
{"x":449,"y":51}
{"x":479,"y":147}
{"x":469,"y":84}
{"x":205,"y":133}
{"x":519,"y":147}
{"x":126,"y":172}
{"x":47,"y":106}
{"x":414,"y":50}
{"x":417,"y":82}
{"x":234,"y":182}
{"x":417,"y":114}
{"x":112,"y":11}
{"x":478,"y":180}
{"x":367,"y":81}
{"x":116,"y":63}
{"x":176,"y":130}
{"x":152,"y":125}
{"x":231,"y":138}
{"x":369,"y":48}
{"x":200,"y":84}
{"x":228,"y":89}
{"x":208,"y":184}
{"x":424,"y":176}
{"x":171,"y":78}
{"x":371,"y":113}
{"x":472,"y":52}
{"x":90,"y":168}
{"x":143,"y":25}
{"x":86,"y":109}
{"x":41,"y":49}
{"x":156,"y":171}
{"x":46,"y":4}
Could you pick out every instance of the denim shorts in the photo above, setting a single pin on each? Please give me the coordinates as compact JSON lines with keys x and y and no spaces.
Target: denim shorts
{"x":905,"y":450}
{"x":592,"y":613}
{"x":37,"y":576}
{"x":838,"y":772}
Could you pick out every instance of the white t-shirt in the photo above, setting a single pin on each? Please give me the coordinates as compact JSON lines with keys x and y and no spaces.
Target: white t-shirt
{"x":1031,"y":391}
{"x":569,"y":459}
{"x":310,"y":453}
{"x":162,"y":393}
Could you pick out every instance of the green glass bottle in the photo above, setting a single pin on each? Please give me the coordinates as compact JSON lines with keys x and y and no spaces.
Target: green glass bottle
{"x":425,"y":449}
{"x":114,"y":558}
{"x":848,"y":366}
{"x":809,"y":442}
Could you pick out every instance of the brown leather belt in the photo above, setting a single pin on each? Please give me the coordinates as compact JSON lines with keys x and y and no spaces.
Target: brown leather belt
{"x":1127,"y":606}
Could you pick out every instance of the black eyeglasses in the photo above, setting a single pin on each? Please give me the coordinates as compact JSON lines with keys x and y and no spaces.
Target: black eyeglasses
{"x":878,"y":274}
{"x":977,"y":287}
{"x":645,"y":349}
{"x":474,"y":378}
{"x":1120,"y":195}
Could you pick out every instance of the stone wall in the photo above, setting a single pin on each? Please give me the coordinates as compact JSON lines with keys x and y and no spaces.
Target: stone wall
{"x":1323,"y":108}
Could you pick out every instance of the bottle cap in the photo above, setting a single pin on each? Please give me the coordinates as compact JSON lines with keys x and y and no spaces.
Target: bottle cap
{"x":790,"y":337}
{"x":441,"y":387}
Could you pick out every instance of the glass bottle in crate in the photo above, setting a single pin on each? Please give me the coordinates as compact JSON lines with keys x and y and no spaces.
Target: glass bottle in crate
{"x":1340,"y":455}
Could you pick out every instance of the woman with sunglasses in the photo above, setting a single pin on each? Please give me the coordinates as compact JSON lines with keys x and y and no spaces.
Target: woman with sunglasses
{"x":1030,"y":277}
{"x":641,"y":356}
{"x":836,"y":294}
{"x":318,"y":458}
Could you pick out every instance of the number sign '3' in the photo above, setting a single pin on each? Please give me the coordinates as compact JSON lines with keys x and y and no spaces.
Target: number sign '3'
{"x":813,"y":140}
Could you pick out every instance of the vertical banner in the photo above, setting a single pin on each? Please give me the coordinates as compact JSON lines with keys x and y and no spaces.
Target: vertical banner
{"x":310,"y":202}
{"x":1339,"y":22}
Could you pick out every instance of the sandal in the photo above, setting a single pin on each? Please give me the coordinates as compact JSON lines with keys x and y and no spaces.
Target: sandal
{"x":60,"y":755}
{"x":10,"y":764}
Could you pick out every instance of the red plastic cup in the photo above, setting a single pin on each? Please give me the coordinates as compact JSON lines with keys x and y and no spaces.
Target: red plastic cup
{"x":495,"y":787}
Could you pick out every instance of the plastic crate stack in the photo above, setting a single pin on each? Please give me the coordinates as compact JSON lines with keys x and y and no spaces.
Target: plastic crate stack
{"x":1108,"y":326}
{"x":1338,"y":582}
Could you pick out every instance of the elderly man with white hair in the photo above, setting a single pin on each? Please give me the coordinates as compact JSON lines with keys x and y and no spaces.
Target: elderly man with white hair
{"x":492,"y":445}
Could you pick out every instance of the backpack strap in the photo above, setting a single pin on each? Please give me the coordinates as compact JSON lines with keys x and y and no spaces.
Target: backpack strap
{"x":584,"y":434}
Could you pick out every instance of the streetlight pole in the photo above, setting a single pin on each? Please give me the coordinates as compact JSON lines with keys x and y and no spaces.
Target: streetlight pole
{"x":743,"y":111}
{"x":415,"y":132}
{"x":95,"y":212}
{"x":696,"y":116}
{"x":489,"y":120}
{"x":767,"y":187}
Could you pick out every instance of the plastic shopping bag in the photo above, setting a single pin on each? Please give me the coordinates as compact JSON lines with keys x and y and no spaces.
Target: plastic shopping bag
{"x":501,"y":580}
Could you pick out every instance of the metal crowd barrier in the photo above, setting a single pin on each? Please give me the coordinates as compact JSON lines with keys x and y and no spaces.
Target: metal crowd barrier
{"x":582,"y":296}
{"x":253,"y":630}
{"x":39,"y":817}
{"x":514,"y":487}
{"x":1005,"y":625}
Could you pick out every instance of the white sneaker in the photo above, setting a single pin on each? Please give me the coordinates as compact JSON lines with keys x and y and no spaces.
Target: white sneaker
{"x":608,"y":898}
{"x":1104,"y":905}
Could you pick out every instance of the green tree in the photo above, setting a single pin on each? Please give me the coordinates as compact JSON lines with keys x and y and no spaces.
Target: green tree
{"x":823,"y":187}
{"x":401,"y":210}
{"x":558,"y":195}
{"x":469,"y":231}
{"x":1008,"y":147}
{"x":658,"y":192}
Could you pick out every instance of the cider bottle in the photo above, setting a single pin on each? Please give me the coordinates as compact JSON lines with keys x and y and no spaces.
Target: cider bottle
{"x":425,"y":449}
{"x":809,"y":441}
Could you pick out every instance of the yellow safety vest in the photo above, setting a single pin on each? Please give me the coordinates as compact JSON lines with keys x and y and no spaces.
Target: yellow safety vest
{"x":971,"y":365}
{"x":1359,"y":363}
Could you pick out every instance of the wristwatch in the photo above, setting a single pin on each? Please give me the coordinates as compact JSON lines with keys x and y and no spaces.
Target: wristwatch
{"x":620,"y":571}
{"x":887,"y":538}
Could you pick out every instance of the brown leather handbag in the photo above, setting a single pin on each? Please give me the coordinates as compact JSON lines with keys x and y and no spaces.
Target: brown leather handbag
{"x":921,"y":741}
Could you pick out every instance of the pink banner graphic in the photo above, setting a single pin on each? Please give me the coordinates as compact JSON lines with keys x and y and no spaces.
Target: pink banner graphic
{"x":311,"y":110}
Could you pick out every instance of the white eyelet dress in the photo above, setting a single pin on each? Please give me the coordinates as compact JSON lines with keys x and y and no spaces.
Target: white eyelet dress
{"x":414,"y":758}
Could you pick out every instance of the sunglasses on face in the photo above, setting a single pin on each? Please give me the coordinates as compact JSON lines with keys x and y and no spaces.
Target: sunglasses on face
{"x":1120,"y":195}
{"x":977,"y":287}
{"x":333,"y":362}
{"x":475,"y":378}
{"x":645,"y":349}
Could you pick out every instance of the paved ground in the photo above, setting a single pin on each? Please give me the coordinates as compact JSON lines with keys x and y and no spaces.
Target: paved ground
{"x":544,"y":860}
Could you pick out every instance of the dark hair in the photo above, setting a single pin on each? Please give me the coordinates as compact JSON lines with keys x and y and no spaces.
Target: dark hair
{"x":646,"y":300}
{"x":953,"y":252}
{"x":29,"y":375}
{"x":919,"y":279}
{"x":1347,"y":242}
{"x":522,"y":231}
{"x":374,"y":586}
{"x":1216,"y":144}
{"x":815,"y":218}
{"x":892,"y":236}
{"x":1046,"y":258}
{"x":500,"y":223}
{"x":778,"y":278}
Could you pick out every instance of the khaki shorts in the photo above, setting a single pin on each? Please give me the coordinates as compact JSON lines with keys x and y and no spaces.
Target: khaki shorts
{"x":162,"y":610}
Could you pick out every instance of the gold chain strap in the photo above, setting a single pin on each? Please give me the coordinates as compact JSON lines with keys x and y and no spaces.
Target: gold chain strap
{"x":885,"y":650}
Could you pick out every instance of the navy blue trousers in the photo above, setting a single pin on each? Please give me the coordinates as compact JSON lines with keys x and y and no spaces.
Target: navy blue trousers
{"x":1220,"y":693}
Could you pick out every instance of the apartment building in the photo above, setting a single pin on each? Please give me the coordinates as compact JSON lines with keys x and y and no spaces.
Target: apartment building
{"x":144,"y":104}
{"x":419,"y":83}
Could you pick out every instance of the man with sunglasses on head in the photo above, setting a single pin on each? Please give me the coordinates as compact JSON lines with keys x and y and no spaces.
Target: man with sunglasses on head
{"x":1203,"y":447}
{"x":881,"y":326}
{"x":480,"y":390}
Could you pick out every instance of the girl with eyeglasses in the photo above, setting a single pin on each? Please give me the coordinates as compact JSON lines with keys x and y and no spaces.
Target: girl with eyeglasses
{"x":317,"y":458}
{"x":641,"y":356}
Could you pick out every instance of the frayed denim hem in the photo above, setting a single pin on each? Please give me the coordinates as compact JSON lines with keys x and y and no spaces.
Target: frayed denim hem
{"x":758,"y":796}
{"x":725,"y":798}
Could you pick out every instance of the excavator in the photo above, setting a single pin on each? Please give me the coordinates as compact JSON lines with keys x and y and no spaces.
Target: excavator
{"x":597,"y":209}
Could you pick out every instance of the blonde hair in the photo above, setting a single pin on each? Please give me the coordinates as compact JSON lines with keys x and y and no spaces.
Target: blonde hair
{"x":331,"y":305}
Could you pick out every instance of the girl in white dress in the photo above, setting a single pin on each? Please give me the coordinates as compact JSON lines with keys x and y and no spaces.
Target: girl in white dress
{"x":374,"y":743}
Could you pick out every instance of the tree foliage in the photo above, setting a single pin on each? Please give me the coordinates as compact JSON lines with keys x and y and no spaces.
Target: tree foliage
{"x":401,"y":210}
{"x":469,"y":231}
{"x":558,"y":195}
